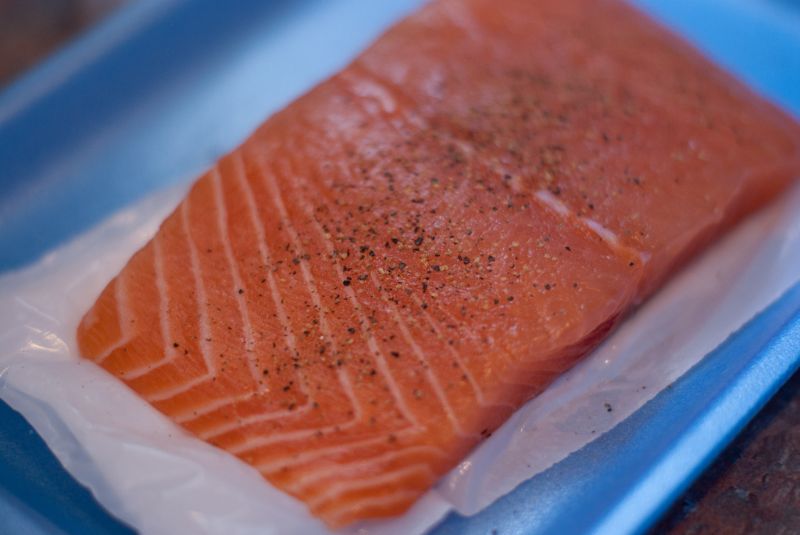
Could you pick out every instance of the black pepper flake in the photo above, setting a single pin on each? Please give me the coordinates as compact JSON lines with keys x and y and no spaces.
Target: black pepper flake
{"x":491,"y":258}
{"x":548,"y":286}
{"x":351,"y":330}
{"x":608,"y":407}
{"x":631,"y":263}
{"x":175,"y":344}
{"x":466,"y":260}
{"x":418,"y":241}
{"x":436,"y":267}
{"x":241,"y":291}
{"x":395,"y":354}
{"x":346,"y":281}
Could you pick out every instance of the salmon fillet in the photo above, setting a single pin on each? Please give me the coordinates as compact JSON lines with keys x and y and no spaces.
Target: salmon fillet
{"x":385,"y":270}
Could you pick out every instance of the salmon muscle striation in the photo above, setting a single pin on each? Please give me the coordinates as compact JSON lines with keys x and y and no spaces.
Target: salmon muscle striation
{"x":385,"y":270}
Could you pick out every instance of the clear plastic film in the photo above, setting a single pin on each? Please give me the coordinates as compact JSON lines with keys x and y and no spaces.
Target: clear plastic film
{"x":157,"y":478}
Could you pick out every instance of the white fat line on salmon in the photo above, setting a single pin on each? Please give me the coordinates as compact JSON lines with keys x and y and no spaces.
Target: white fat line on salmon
{"x":169,"y":393}
{"x":455,"y":354}
{"x":254,"y":443}
{"x":341,"y":470}
{"x":121,"y":304}
{"x":459,"y":16}
{"x":361,"y":504}
{"x":202,"y":299}
{"x":423,"y":360}
{"x":281,"y":437}
{"x":335,"y":490}
{"x":266,"y":259}
{"x":200,"y":289}
{"x":291,"y":342}
{"x":308,"y":279}
{"x":250,"y":444}
{"x":280,"y":463}
{"x":477,"y":339}
{"x":496,"y":400}
{"x":468,"y":150}
{"x":380,"y":359}
{"x":191,"y":415}
{"x":163,"y":395}
{"x":606,"y":235}
{"x":163,"y":317}
{"x":238,"y":284}
{"x":370,"y":89}
{"x":368,"y":84}
{"x":432,"y":379}
{"x":236,"y":425}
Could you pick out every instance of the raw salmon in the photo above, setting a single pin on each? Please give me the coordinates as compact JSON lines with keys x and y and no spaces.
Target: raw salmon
{"x":369,"y":286}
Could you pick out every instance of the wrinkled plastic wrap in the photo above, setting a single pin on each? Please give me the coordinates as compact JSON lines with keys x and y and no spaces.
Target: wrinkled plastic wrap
{"x":159,"y":479}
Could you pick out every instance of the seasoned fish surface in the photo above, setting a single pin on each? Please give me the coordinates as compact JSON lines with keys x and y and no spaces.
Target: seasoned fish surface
{"x":386,"y":269}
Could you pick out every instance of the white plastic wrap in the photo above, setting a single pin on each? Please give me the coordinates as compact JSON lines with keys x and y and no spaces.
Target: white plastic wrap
{"x":159,"y":479}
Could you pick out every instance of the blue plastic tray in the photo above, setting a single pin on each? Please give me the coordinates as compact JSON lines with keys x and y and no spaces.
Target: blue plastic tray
{"x":161,"y":89}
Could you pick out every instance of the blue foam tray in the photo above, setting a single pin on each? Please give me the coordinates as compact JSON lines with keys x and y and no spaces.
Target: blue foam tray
{"x":159,"y":90}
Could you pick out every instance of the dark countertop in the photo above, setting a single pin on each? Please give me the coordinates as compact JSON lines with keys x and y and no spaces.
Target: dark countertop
{"x":754,"y":486}
{"x":29,"y":29}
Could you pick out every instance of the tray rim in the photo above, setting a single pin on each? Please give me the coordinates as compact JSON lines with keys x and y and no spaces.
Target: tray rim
{"x":81,"y":53}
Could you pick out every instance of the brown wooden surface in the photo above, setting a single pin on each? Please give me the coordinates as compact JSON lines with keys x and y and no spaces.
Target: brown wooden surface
{"x":754,"y":487}
{"x":29,"y":29}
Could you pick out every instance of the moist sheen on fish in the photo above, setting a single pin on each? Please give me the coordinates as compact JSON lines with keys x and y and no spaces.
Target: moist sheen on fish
{"x":385,"y":270}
